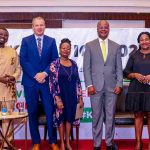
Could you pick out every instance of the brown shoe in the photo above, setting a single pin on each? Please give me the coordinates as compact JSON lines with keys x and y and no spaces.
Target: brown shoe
{"x":54,"y":147}
{"x":36,"y":147}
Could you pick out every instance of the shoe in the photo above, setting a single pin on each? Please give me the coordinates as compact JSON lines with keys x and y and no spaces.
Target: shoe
{"x":97,"y":148}
{"x":149,"y":146}
{"x":112,"y":147}
{"x":5,"y":148}
{"x":139,"y":147}
{"x":36,"y":147}
{"x":68,"y":147}
{"x":62,"y":146}
{"x":54,"y":147}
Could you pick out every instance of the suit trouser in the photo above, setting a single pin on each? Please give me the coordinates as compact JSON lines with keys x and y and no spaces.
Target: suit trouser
{"x":103,"y":105}
{"x":32,"y":98}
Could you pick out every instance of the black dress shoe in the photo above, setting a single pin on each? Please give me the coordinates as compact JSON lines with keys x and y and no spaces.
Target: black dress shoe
{"x":6,"y":148}
{"x":97,"y":148}
{"x":112,"y":147}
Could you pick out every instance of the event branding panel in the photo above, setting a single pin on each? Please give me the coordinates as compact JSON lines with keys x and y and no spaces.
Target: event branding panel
{"x":126,"y":37}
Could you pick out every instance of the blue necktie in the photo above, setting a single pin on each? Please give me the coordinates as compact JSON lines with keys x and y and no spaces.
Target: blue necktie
{"x":39,"y":46}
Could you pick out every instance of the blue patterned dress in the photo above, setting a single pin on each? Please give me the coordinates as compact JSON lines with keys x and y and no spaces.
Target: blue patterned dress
{"x":65,"y":83}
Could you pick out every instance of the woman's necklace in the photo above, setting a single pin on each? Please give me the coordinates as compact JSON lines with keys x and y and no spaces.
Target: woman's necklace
{"x":69,"y":75}
{"x":144,"y":54}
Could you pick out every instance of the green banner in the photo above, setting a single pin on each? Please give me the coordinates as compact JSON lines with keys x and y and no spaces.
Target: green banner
{"x":87,"y":115}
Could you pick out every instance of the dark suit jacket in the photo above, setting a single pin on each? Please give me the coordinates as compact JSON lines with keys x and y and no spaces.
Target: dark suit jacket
{"x":30,"y":60}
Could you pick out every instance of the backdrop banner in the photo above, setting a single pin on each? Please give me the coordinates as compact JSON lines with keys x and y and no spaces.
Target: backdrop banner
{"x":126,"y":37}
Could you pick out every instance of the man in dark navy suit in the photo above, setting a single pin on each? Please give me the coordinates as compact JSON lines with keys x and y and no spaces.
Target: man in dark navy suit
{"x":36,"y":53}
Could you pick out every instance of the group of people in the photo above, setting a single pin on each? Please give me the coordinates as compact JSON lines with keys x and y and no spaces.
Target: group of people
{"x":55,"y":80}
{"x":52,"y":79}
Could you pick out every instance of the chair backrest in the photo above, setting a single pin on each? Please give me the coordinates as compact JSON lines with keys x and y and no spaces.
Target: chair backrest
{"x":122,"y":117}
{"x":120,"y":106}
{"x":42,"y":119}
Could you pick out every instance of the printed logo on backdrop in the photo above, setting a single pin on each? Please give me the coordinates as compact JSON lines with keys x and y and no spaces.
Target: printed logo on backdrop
{"x":20,"y":97}
{"x":125,"y":50}
{"x":87,"y":115}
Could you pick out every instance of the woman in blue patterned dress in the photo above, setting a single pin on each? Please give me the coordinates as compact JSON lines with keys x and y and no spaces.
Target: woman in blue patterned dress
{"x":66,"y":89}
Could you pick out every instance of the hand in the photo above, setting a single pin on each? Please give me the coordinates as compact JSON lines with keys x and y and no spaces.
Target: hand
{"x":40,"y":77}
{"x":4,"y":80}
{"x":11,"y":79}
{"x":140,"y":77}
{"x":91,"y":90}
{"x":117,"y":90}
{"x":147,"y":79}
{"x":59,"y":104}
{"x":81,"y":101}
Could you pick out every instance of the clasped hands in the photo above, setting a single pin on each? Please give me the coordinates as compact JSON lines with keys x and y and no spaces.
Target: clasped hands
{"x":40,"y":77}
{"x":141,"y":78}
{"x":7,"y":79}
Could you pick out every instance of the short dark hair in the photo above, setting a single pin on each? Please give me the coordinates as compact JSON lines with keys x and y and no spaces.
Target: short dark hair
{"x":3,"y":28}
{"x":65,"y":40}
{"x":139,"y":36}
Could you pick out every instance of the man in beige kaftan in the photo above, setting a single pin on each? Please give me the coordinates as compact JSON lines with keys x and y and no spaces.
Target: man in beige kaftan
{"x":9,"y":73}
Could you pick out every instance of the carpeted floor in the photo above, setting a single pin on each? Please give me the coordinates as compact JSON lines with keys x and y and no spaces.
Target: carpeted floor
{"x":83,"y":145}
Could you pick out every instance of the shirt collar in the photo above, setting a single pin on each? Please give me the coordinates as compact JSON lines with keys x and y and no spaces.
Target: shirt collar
{"x":39,"y":37}
{"x":100,"y":40}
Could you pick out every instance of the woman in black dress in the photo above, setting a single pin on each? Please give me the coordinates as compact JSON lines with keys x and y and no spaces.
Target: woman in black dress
{"x":138,"y":96}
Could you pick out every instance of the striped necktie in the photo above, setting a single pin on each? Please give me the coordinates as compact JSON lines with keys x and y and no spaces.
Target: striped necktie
{"x":39,"y":46}
{"x":104,"y":50}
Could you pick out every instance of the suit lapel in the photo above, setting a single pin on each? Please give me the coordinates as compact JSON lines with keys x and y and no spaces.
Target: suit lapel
{"x":44,"y":48}
{"x":97,"y":44}
{"x":109,"y":50}
{"x":34,"y":46}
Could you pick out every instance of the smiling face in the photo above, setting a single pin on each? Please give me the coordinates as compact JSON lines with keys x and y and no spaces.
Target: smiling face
{"x":103,"y":29}
{"x":65,"y":50}
{"x":3,"y":37}
{"x":144,"y":42}
{"x":38,"y":26}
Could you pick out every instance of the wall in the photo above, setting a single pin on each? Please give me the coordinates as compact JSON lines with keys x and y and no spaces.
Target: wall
{"x":75,"y":6}
{"x":93,"y":23}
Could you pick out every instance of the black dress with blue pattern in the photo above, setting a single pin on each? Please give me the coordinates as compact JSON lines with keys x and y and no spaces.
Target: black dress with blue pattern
{"x":67,"y":79}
